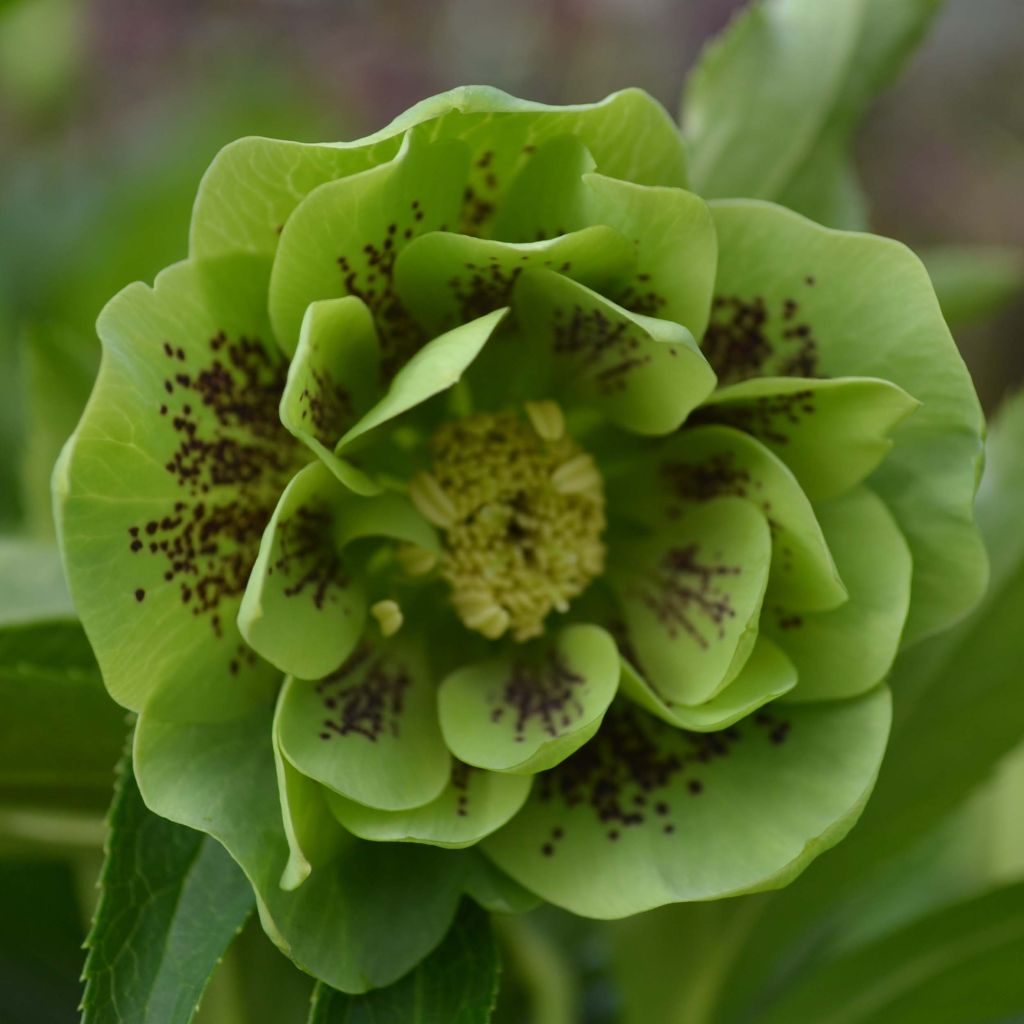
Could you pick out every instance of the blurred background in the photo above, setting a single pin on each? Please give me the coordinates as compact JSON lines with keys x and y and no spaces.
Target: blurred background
{"x":111,"y":109}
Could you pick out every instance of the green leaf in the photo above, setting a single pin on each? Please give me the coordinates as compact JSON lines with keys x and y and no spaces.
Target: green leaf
{"x":770,"y":110}
{"x":525,"y":712}
{"x":172,"y":900}
{"x":164,"y":489}
{"x":646,"y":814}
{"x":957,"y":966}
{"x":351,"y":921}
{"x":837,"y":304}
{"x":60,"y":734}
{"x":456,"y":984}
{"x":974,"y":282}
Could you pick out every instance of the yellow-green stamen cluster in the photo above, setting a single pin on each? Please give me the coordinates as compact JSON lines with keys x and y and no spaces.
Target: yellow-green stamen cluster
{"x":521,"y":506}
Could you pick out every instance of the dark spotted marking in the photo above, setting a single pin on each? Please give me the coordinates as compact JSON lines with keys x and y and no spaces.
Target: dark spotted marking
{"x":400,"y":335}
{"x":606,"y":349}
{"x":777,"y":728}
{"x":460,"y":783}
{"x":640,"y":297}
{"x":543,"y":693}
{"x":365,"y":697}
{"x":629,"y":770}
{"x":326,"y":407}
{"x":682,"y":591}
{"x":767,"y":417}
{"x":747,"y":339}
{"x":308,"y":557}
{"x":230,"y":462}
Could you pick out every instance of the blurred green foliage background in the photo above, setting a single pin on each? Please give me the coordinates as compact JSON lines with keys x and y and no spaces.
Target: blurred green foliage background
{"x":111,"y":109}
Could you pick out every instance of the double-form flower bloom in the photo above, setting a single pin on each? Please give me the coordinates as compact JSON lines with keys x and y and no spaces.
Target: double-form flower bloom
{"x":476,"y":509}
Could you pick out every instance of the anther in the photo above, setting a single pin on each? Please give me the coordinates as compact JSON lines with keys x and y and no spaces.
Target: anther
{"x":431,"y":500}
{"x":577,"y":476}
{"x":416,"y":560}
{"x":546,"y":418}
{"x":388,"y":615}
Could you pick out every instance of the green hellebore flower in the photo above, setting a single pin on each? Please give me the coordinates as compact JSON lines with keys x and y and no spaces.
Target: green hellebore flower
{"x":581,"y":520}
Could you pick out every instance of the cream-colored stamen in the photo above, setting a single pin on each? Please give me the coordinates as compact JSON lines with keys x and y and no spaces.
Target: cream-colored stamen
{"x":388,"y":615}
{"x":416,"y":560}
{"x":431,"y":500}
{"x":522,"y":516}
{"x":546,"y":418}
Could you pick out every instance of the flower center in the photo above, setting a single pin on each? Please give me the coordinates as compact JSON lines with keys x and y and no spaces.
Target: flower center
{"x":521,"y":506}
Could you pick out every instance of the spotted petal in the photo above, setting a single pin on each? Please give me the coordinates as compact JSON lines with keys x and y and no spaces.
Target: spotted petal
{"x":831,"y":433}
{"x":767,"y":674}
{"x":474,"y":804}
{"x":525,"y":712}
{"x":868,"y":310}
{"x":304,"y":608}
{"x":647,"y":814}
{"x":645,"y":374}
{"x":369,"y":730}
{"x":702,"y":463}
{"x":692,"y":594}
{"x":164,"y":490}
{"x":829,"y":648}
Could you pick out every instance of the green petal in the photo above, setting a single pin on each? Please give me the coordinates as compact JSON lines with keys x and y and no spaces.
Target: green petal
{"x":344,"y":236}
{"x":474,"y":804}
{"x":676,"y":248}
{"x":313,"y":835}
{"x":702,"y":463}
{"x":871,"y":312}
{"x":493,"y":889}
{"x":369,"y":731}
{"x":831,"y":433}
{"x":350,"y":922}
{"x":254,"y":184}
{"x":334,"y":375}
{"x":164,"y":489}
{"x":437,"y":366}
{"x":515,"y":715}
{"x":646,"y":375}
{"x":767,"y":674}
{"x":830,"y":649}
{"x":446,"y":279}
{"x":692,"y":595}
{"x":646,"y":814}
{"x":304,"y":608}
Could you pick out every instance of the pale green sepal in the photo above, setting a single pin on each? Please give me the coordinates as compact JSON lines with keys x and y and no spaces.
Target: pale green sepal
{"x":446,"y":279}
{"x":676,"y":247}
{"x":348,"y":923}
{"x":525,"y":713}
{"x":304,"y":607}
{"x":313,"y":835}
{"x":163,"y":491}
{"x":842,"y":653}
{"x":334,"y":375}
{"x":342,"y":239}
{"x":474,"y":804}
{"x":254,"y":184}
{"x":691,"y":597}
{"x":302,"y":610}
{"x":647,"y":814}
{"x":831,"y":433}
{"x":767,"y":674}
{"x":434,"y":368}
{"x":369,"y":730}
{"x":706,"y":462}
{"x":644,"y":374}
{"x":493,"y":889}
{"x":869,"y":307}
